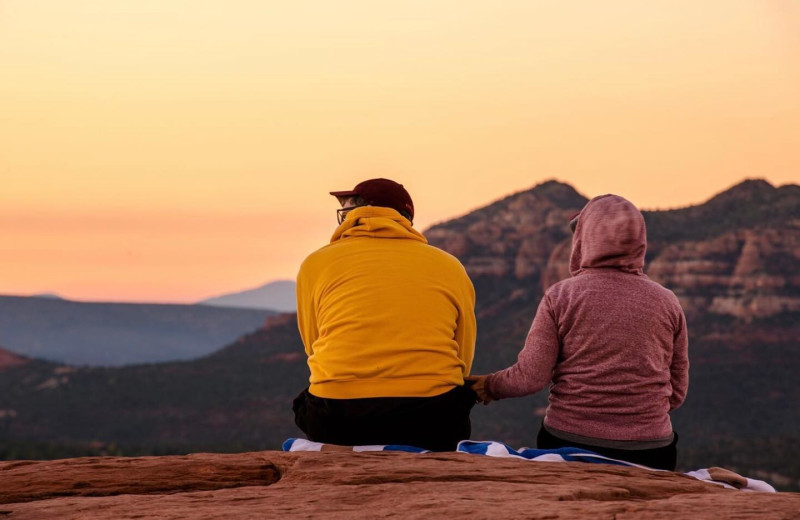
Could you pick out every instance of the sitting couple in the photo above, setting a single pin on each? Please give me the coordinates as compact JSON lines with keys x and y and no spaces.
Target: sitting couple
{"x":389,"y":328}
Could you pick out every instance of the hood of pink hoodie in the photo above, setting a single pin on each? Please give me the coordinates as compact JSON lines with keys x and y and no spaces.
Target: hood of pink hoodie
{"x":610,"y":233}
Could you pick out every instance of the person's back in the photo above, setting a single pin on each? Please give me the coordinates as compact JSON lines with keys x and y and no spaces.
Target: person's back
{"x":613,"y":378}
{"x":612,"y":343}
{"x":389,"y":329}
{"x":389,"y":309}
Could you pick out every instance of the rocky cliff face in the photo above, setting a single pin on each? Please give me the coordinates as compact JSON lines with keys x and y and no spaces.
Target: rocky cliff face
{"x":737,"y":255}
{"x":341,"y":485}
{"x":510,"y":246}
{"x":749,"y":273}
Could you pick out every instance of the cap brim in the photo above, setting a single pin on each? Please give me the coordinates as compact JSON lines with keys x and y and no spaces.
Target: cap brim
{"x":348,"y":193}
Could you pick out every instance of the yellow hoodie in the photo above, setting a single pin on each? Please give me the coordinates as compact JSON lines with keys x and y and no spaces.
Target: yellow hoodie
{"x":384,"y":314}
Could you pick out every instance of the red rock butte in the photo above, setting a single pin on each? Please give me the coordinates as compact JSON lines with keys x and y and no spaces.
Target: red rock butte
{"x":357,"y":485}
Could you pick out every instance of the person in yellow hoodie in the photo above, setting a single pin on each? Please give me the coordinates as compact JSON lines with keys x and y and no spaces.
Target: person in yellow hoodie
{"x":388,"y":324}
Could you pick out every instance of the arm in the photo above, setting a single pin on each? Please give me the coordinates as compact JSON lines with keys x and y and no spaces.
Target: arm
{"x":306,"y":313}
{"x":679,"y":368}
{"x":466,"y":328}
{"x":535,"y":363}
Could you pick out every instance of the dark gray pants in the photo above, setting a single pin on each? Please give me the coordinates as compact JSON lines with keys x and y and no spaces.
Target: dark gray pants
{"x":659,"y":458}
{"x":435,"y":423}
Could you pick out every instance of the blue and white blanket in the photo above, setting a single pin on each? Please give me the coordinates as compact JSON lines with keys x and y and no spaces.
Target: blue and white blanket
{"x":498,"y":449}
{"x":307,"y":445}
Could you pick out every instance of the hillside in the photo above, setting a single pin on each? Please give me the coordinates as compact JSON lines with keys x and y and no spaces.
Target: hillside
{"x":232,"y":400}
{"x":9,"y":359}
{"x":740,"y":286}
{"x":113,"y":334}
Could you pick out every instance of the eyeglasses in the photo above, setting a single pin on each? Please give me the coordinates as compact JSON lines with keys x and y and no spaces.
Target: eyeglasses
{"x":341,"y":213}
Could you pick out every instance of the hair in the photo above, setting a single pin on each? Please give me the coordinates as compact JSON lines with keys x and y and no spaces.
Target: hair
{"x":358,"y":201}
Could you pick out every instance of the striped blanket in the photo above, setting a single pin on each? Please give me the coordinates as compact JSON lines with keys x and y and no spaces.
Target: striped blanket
{"x":719,"y":476}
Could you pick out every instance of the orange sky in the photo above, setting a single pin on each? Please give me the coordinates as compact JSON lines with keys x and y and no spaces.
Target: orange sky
{"x":171,"y":151}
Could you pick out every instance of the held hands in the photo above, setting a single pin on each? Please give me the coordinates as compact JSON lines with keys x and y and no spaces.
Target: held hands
{"x":479,"y":387}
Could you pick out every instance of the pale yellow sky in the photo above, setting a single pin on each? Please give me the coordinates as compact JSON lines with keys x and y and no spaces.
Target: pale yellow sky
{"x":171,"y":150}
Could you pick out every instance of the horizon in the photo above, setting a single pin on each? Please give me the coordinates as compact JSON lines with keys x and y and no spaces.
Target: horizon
{"x":59,"y":296}
{"x":164,"y":152}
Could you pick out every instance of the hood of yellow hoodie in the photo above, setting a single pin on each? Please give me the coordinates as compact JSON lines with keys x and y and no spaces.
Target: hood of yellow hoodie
{"x":376,"y":222}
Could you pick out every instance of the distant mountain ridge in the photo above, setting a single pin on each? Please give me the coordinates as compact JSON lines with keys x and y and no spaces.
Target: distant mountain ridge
{"x":733,"y":261}
{"x":50,"y":295}
{"x":113,"y":334}
{"x":277,"y":296}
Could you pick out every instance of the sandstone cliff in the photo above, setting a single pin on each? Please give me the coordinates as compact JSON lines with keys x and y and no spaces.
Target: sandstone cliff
{"x":349,"y":485}
{"x":738,"y":254}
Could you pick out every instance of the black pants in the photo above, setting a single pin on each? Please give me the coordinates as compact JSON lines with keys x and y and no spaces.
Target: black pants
{"x":659,"y":458}
{"x":435,"y":423}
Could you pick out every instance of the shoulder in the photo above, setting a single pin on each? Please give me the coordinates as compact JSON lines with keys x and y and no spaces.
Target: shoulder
{"x":446,"y":267}
{"x":319,"y":257}
{"x":566,"y":286}
{"x":560,"y":294}
{"x":658,"y":288}
{"x":313,"y":257}
{"x":437,"y":256}
{"x":443,"y":255}
{"x":662,"y":293}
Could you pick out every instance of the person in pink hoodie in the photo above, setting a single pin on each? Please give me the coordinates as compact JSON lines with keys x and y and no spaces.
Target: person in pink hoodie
{"x":611,"y":343}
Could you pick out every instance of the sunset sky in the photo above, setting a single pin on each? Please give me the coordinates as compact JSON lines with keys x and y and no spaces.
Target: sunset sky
{"x":172,"y":150}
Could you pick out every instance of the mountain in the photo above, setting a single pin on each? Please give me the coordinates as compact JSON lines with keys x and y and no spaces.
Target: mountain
{"x":232,"y":400}
{"x":277,"y":296}
{"x":53,"y":296}
{"x":113,"y":334}
{"x":737,"y":254}
{"x":732,"y":261}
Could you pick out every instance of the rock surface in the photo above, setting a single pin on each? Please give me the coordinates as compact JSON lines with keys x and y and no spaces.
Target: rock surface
{"x":364,"y":485}
{"x":745,"y":267}
{"x":746,"y":273}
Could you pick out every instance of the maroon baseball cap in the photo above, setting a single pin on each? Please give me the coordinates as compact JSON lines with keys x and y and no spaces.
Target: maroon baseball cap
{"x":382,"y":192}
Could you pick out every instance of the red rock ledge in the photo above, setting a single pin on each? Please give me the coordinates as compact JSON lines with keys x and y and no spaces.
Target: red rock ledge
{"x":356,"y":485}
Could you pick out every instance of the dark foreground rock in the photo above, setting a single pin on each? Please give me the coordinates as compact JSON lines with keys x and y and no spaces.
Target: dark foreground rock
{"x":364,"y":485}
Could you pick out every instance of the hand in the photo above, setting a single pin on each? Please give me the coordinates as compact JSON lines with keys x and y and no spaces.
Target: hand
{"x":479,"y":387}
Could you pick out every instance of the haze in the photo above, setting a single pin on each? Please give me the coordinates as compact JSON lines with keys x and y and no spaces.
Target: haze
{"x":170,"y":151}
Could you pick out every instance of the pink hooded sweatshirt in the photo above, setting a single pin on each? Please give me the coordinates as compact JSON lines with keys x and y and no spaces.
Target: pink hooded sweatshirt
{"x":612,"y":343}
